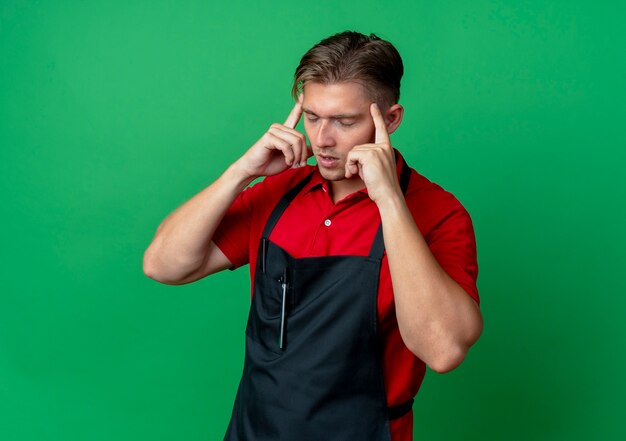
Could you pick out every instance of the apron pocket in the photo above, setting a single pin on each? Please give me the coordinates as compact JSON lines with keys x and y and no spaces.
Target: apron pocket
{"x":261,"y":349}
{"x":270,"y":294}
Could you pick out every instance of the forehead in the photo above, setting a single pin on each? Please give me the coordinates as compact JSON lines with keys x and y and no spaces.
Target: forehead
{"x":336,"y":98}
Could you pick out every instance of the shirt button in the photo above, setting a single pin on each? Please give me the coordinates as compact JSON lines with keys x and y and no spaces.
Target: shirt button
{"x":327,"y":222}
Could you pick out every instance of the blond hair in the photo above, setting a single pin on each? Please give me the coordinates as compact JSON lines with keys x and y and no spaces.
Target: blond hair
{"x":353,"y":57}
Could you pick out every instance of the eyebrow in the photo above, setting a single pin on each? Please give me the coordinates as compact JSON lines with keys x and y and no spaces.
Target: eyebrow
{"x":338,"y":116}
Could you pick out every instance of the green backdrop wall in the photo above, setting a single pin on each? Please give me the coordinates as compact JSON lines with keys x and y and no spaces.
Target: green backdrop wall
{"x":114,"y":113}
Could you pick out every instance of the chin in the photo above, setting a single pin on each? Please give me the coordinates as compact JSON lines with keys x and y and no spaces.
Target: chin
{"x":332,"y":175}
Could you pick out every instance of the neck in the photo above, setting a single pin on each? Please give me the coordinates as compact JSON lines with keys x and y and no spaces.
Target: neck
{"x":341,"y":189}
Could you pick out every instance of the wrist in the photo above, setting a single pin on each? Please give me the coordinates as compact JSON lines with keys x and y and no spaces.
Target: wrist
{"x":392,"y":206}
{"x":238,"y":176}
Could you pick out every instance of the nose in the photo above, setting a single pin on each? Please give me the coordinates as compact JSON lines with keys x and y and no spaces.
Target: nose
{"x":324,"y":136}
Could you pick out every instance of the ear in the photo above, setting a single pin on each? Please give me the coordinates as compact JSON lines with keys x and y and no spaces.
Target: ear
{"x":393,"y":117}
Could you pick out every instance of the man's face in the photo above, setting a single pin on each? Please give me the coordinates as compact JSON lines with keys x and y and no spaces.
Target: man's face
{"x":336,"y":118}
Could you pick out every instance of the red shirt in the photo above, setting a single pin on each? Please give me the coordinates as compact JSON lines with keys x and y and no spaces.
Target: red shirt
{"x":313,"y":225}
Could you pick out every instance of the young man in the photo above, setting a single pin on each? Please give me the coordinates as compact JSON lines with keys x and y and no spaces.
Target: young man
{"x":363,"y":271}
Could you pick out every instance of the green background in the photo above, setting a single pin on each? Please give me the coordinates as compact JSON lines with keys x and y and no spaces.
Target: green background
{"x":114,"y":113}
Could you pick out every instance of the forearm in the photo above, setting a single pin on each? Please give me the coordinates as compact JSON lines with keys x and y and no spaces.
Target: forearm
{"x":182,"y":240}
{"x":182,"y":250}
{"x":438,"y":320}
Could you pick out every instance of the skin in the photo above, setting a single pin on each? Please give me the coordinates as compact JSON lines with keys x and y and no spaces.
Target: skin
{"x":338,"y":120}
{"x":349,"y":138}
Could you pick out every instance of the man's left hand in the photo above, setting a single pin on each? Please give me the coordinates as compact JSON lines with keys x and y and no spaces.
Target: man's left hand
{"x":375,"y":163}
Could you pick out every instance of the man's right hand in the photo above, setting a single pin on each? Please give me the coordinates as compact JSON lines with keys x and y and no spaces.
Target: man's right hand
{"x":278,"y":149}
{"x":182,"y":250}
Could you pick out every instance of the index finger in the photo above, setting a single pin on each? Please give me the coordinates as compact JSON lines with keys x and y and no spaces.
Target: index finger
{"x":294,"y":116}
{"x":382,"y":136}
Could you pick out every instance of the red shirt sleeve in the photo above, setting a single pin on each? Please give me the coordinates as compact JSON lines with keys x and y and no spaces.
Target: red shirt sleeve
{"x":453,"y":244}
{"x":447,"y":228}
{"x":232,"y":236}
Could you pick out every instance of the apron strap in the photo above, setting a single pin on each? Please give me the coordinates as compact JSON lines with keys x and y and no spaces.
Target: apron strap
{"x":280,"y":207}
{"x":283,"y":204}
{"x":400,"y":410}
{"x":378,"y":247}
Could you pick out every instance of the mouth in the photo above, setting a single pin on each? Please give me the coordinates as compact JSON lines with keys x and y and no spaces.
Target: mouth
{"x":327,"y":161}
